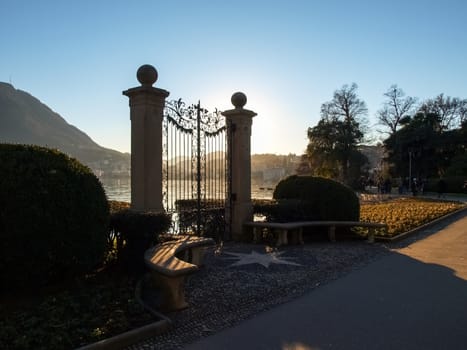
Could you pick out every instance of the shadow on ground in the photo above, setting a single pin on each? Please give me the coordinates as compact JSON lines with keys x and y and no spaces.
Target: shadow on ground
{"x":394,"y":303}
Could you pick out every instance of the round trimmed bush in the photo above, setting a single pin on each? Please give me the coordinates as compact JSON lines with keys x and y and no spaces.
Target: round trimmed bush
{"x":317,"y":198}
{"x":54,"y":217}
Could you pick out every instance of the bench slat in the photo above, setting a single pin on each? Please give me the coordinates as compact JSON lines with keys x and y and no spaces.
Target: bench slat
{"x":168,"y":271}
{"x":163,"y":260}
{"x":162,"y":257}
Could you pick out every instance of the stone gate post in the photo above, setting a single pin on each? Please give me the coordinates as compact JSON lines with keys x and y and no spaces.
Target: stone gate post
{"x":239,"y":121}
{"x":146,"y":113}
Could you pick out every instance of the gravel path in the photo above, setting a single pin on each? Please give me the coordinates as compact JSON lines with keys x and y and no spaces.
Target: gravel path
{"x":223,"y":293}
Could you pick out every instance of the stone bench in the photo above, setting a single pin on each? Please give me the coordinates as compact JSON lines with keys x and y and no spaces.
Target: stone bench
{"x":170,"y":262}
{"x":297,"y":228}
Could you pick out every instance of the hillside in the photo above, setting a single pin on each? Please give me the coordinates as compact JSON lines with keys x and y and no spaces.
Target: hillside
{"x":26,"y":120}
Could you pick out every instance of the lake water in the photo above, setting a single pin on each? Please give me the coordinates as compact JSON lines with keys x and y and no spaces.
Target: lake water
{"x":119,"y":189}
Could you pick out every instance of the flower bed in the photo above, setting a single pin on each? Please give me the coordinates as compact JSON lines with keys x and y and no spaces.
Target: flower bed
{"x":405,"y":214}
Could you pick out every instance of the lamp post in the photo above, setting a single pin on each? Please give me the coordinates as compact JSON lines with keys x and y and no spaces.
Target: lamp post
{"x":410,"y":166}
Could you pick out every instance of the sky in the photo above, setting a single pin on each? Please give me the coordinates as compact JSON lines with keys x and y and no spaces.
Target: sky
{"x":287,"y":56}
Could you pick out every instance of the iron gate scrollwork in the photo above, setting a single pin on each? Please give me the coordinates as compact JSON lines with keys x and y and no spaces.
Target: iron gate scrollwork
{"x":195,"y":174}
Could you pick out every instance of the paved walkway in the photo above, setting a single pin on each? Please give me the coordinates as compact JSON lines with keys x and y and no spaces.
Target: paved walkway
{"x":414,"y":298}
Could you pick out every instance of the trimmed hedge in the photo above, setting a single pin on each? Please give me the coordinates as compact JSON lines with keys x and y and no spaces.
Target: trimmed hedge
{"x":212,"y":217}
{"x":284,"y":210}
{"x":314,"y":198}
{"x":53,"y":217}
{"x":132,"y":232}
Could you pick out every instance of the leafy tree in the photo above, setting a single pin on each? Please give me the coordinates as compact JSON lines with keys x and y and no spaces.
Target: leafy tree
{"x":452,"y":111}
{"x":458,"y":166}
{"x":395,"y":108}
{"x":324,"y":148}
{"x":458,"y":162}
{"x":431,"y":143}
{"x":333,"y":142}
{"x":303,"y":167}
{"x":423,"y":147}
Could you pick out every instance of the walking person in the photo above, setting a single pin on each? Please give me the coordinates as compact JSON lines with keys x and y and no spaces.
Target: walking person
{"x":414,"y":187}
{"x":441,"y":187}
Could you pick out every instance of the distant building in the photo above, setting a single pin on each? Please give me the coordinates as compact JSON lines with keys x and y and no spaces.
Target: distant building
{"x":274,"y":174}
{"x":109,"y":168}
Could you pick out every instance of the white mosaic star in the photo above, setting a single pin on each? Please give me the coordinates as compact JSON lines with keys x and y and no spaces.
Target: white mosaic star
{"x":258,"y":258}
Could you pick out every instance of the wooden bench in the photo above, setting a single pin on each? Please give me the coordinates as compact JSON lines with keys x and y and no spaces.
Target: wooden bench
{"x":297,"y":228}
{"x":170,"y":262}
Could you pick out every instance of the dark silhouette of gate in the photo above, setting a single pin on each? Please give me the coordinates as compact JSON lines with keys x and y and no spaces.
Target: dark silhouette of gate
{"x":195,"y":173}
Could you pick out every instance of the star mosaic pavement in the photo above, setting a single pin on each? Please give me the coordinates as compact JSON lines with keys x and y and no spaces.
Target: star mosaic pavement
{"x":258,"y":258}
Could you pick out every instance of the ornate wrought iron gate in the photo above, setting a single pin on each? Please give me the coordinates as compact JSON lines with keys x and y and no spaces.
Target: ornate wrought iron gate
{"x":195,"y":174}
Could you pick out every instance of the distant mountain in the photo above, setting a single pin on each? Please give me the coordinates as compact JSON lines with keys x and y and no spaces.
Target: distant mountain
{"x":26,"y":120}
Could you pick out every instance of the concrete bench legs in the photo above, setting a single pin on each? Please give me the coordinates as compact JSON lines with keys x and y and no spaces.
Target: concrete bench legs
{"x":296,"y":236}
{"x":371,"y":234}
{"x":300,"y":236}
{"x":296,"y":229}
{"x":332,"y":233}
{"x":281,"y":237}
{"x":172,"y":289}
{"x":197,"y":255}
{"x":257,"y":234}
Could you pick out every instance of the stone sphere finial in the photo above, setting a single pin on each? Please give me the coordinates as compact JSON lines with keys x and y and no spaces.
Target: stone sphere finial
{"x":238,"y":99}
{"x":146,"y":75}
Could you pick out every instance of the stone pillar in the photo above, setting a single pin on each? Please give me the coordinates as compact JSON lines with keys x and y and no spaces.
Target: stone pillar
{"x":146,"y":113}
{"x":239,"y":121}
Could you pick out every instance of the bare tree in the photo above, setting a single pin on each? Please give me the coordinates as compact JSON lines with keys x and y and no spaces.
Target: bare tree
{"x":396,"y":107}
{"x":452,"y":111}
{"x":345,"y":106}
{"x":333,"y":142}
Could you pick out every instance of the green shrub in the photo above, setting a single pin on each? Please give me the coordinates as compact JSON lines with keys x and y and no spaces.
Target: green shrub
{"x":132,"y":232}
{"x":114,"y":238}
{"x":285,"y":210}
{"x":454,"y":184}
{"x":212,"y":217}
{"x":53,"y":217}
{"x":316,"y":198}
{"x":190,"y":204}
